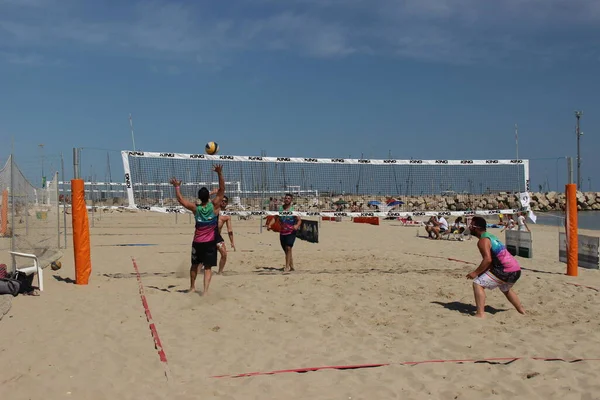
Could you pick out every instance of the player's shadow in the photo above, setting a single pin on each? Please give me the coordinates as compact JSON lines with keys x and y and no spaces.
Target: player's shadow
{"x":468,"y":309}
{"x":61,"y":279}
{"x":162,"y":289}
{"x":268,"y":270}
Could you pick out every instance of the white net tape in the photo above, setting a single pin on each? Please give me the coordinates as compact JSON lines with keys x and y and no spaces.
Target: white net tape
{"x":331,"y":187}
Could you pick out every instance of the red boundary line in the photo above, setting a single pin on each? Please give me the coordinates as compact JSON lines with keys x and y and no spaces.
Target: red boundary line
{"x":583,"y":286}
{"x":157,"y":343}
{"x":443,"y":258}
{"x":499,"y":360}
{"x":467,"y":262}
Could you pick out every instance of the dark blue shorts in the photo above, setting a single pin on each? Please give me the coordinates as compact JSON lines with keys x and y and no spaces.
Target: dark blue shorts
{"x":287,"y":240}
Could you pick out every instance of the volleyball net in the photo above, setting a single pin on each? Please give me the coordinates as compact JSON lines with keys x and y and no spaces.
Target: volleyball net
{"x":29,"y":216}
{"x":331,"y":186}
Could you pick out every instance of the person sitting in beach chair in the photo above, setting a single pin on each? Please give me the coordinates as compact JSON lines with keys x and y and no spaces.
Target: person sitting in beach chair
{"x":456,"y":230}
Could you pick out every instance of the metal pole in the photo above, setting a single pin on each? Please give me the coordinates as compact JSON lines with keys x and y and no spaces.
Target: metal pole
{"x":64,"y":201}
{"x":12,"y":207}
{"x":569,"y":170}
{"x":75,"y":163}
{"x":262,"y":193}
{"x":92,"y":198}
{"x":57,"y":209}
{"x":131,"y":126}
{"x":578,"y":115}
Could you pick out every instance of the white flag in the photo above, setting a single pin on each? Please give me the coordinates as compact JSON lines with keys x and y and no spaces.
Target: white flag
{"x":525,"y":200}
{"x":532,"y":216}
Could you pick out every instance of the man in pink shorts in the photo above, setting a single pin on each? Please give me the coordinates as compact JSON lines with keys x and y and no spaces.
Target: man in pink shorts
{"x":498,"y":268}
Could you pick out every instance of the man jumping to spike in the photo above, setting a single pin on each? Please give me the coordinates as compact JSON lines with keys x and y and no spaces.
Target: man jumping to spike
{"x":498,"y":268}
{"x":206,"y":214}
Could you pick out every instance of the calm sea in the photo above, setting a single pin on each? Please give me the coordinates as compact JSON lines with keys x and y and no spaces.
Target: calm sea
{"x":585,"y":219}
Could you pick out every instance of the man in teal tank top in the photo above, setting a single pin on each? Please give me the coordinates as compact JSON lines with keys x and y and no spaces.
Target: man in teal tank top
{"x":287,"y":234}
{"x":206,"y":214}
{"x":498,"y":268}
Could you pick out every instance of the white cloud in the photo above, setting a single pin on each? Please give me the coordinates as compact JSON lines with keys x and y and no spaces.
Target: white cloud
{"x":451,"y":31}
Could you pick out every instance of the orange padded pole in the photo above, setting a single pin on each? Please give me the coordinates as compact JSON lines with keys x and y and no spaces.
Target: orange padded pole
{"x":81,"y":233}
{"x":571,"y":230}
{"x":4,"y":213}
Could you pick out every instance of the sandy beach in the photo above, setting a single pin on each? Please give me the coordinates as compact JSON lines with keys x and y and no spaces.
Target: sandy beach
{"x":363,"y":295}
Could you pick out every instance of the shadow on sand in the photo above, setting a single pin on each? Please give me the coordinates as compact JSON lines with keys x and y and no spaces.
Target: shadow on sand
{"x":468,"y":309}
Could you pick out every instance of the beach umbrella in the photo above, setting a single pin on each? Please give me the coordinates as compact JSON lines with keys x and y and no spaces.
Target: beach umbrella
{"x":395,"y":203}
{"x":373,"y":203}
{"x":340,"y":202}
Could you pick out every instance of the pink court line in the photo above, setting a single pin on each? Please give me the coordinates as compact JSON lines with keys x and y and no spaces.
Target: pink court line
{"x":157,"y":343}
{"x":498,"y":360}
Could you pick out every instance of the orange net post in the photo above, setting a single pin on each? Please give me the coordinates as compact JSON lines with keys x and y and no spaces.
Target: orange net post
{"x":571,"y":230}
{"x":4,"y":213}
{"x":81,"y":233}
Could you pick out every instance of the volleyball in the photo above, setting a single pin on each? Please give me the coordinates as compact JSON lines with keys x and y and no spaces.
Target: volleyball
{"x":56,"y":265}
{"x":212,"y":148}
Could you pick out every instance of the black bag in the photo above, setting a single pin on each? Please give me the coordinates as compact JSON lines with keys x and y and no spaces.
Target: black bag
{"x":25,"y":281}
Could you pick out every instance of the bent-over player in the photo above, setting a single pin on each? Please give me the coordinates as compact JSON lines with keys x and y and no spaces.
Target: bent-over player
{"x":206,"y":215}
{"x":498,"y":268}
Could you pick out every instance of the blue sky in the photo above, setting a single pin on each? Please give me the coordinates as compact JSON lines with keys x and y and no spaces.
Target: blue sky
{"x":316,"y":78}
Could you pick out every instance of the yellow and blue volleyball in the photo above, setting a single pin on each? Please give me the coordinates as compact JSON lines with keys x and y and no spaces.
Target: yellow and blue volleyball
{"x":211,"y":148}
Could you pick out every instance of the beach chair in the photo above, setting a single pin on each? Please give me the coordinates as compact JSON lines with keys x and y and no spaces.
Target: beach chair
{"x":35,"y":269}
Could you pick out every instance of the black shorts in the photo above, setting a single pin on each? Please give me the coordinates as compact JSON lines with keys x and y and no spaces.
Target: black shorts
{"x":204,"y":253}
{"x":508,"y":277}
{"x":218,"y":237}
{"x":287,"y":240}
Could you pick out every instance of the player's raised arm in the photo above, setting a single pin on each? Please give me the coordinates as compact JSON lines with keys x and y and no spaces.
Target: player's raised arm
{"x":189,"y":205}
{"x":221,"y":192}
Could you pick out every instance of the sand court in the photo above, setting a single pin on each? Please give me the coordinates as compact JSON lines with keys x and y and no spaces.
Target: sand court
{"x":357,"y":298}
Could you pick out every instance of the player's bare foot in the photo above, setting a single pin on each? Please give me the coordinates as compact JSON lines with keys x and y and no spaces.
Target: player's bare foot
{"x":190,"y":290}
{"x":480,"y":315}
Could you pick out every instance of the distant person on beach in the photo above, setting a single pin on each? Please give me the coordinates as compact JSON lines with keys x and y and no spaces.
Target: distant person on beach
{"x":223,"y":220}
{"x":509,"y":224}
{"x":436,"y":227}
{"x":522,"y":222}
{"x":287,"y":235}
{"x":206,"y":214}
{"x":498,"y":268}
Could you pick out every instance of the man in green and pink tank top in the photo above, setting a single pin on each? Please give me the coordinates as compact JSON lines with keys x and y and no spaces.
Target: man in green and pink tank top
{"x":206,"y":215}
{"x":287,"y":233}
{"x":498,"y":268}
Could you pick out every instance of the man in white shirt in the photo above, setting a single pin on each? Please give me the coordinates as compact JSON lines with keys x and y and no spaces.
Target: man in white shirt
{"x":436,"y":227}
{"x":521,"y":221}
{"x":443,"y":226}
